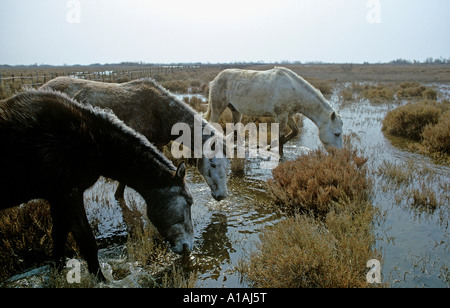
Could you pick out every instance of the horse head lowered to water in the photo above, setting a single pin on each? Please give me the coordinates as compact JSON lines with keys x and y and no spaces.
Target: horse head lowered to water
{"x":54,"y":148}
{"x":149,"y":109}
{"x":278,"y":93}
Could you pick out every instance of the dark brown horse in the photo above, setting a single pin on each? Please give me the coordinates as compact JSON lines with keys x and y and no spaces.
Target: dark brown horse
{"x":53,"y":148}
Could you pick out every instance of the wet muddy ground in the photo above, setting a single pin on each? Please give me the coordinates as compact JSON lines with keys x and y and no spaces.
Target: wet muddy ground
{"x":414,"y":241}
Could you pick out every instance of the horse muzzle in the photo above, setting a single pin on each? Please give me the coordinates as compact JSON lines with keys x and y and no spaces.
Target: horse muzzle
{"x":184,"y":248}
{"x":219,"y":197}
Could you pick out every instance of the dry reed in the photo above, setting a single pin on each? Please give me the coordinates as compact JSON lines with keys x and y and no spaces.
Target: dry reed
{"x":304,"y":252}
{"x":409,"y":120}
{"x":26,"y":240}
{"x":330,"y":244}
{"x":314,"y":181}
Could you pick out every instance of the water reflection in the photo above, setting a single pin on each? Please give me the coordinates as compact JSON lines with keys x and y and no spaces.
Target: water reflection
{"x":213,"y":247}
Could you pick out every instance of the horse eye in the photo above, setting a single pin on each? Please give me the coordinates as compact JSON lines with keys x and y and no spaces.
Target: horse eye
{"x":337,"y":134}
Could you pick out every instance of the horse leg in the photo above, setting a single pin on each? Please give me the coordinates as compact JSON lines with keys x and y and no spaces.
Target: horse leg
{"x":60,"y":231}
{"x":236,"y":115}
{"x":82,"y":232}
{"x":236,"y":118}
{"x":217,"y":104}
{"x":216,"y":111}
{"x":119,"y":194}
{"x":293,"y":126}
{"x":282,"y":121}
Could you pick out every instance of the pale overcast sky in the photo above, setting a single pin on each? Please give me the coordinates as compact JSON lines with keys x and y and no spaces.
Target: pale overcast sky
{"x":170,"y":31}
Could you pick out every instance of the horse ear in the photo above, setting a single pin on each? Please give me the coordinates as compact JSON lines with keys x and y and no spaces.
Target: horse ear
{"x":181,"y":171}
{"x":333,"y":116}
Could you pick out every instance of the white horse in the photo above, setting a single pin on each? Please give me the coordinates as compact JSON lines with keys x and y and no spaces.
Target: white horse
{"x":278,"y":93}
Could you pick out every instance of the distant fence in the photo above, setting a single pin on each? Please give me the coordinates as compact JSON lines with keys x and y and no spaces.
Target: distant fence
{"x":36,"y":79}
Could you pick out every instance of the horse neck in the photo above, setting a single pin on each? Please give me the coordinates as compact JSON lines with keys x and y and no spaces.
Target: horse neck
{"x":131,"y":160}
{"x":196,"y":123}
{"x":314,"y":106}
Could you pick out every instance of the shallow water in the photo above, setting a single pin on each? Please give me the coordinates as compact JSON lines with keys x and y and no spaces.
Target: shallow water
{"x":414,"y":243}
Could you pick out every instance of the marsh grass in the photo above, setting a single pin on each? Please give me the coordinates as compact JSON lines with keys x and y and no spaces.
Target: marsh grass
{"x":424,"y":198}
{"x":26,"y":243}
{"x":380,"y":93}
{"x":414,"y":89}
{"x":324,"y":86}
{"x":26,"y":240}
{"x":181,"y":86}
{"x":302,"y":251}
{"x":313,"y":182}
{"x":327,"y":237}
{"x":409,"y":120}
{"x":145,"y":245}
{"x":146,"y":248}
{"x":386,"y":92}
{"x":426,"y":122}
{"x":58,"y":279}
{"x":196,"y":103}
{"x":396,"y":174}
{"x":419,"y":188}
{"x":177,"y":277}
{"x":346,"y":94}
{"x":436,"y":138}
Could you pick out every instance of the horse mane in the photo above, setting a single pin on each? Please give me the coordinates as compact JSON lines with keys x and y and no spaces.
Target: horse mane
{"x":170,"y":97}
{"x":105,"y":114}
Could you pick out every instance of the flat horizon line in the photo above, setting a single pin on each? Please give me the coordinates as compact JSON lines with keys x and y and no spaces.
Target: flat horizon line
{"x":433,"y":61}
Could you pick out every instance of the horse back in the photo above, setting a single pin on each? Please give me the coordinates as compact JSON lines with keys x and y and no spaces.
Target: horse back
{"x":256,"y":93}
{"x":44,"y":151}
{"x":138,"y":103}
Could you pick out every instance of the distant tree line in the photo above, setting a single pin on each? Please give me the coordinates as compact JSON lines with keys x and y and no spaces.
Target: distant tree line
{"x":399,"y":61}
{"x":429,"y":60}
